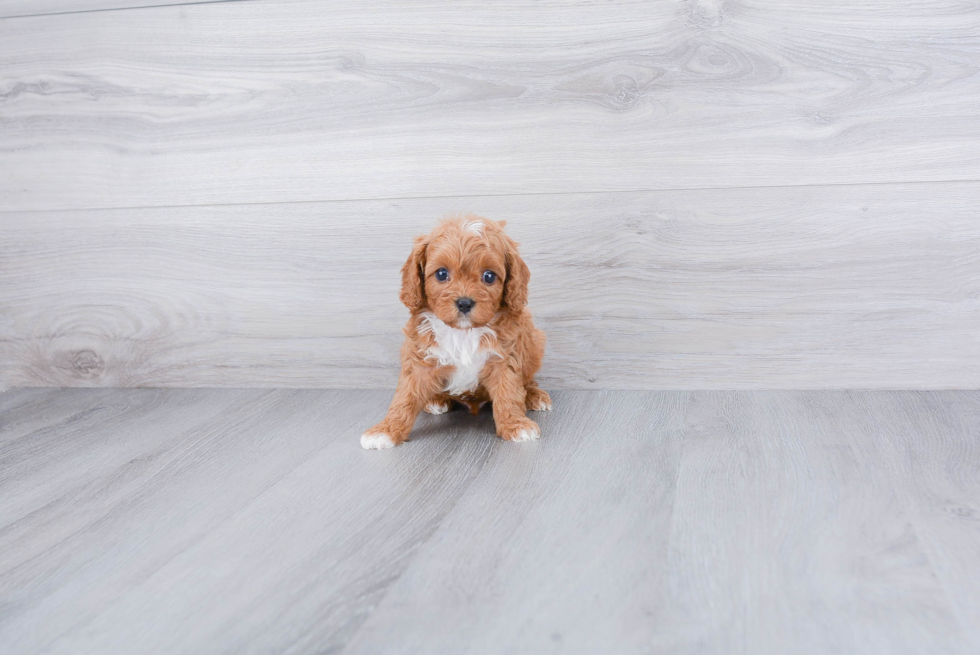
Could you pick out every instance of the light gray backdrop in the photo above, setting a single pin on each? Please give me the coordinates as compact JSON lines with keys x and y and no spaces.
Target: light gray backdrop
{"x":709,"y":194}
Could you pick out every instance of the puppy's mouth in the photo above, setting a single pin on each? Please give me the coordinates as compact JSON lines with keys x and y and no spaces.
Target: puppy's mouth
{"x":464,"y":322}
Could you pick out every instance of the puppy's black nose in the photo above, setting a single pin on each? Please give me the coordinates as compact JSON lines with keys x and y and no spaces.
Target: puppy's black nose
{"x":464,"y":304}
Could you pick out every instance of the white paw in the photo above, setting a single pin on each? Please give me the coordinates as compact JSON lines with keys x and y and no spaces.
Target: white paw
{"x":437,"y":408}
{"x":378,"y":441}
{"x":542,"y":406}
{"x":531,"y":434}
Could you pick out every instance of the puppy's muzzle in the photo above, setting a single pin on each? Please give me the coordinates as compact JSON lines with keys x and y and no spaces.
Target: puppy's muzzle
{"x":464,"y":305}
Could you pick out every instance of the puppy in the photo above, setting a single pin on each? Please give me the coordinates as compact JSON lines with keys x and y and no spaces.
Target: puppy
{"x":469,"y":338}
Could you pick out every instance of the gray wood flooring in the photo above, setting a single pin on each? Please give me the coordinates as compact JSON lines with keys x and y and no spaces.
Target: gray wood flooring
{"x":235,"y":521}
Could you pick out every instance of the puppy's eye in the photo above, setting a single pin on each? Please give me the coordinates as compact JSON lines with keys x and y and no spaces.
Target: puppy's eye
{"x":489,"y":277}
{"x":442,"y":275}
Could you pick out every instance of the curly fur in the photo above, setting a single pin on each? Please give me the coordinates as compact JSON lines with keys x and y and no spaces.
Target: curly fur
{"x":489,"y":354}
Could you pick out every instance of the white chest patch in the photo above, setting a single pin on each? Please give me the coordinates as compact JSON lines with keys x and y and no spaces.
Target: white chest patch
{"x":463,"y":349}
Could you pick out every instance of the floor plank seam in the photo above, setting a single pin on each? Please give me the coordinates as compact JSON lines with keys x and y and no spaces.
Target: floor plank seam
{"x":597,"y":192}
{"x":108,"y":9}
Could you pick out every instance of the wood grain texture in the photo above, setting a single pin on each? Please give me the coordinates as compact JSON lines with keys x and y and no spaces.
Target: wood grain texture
{"x":339,"y":100}
{"x":937,"y":456}
{"x":664,"y":522}
{"x":564,"y":552}
{"x":829,"y":287}
{"x":119,"y":520}
{"x":764,"y":475}
{"x":25,"y":8}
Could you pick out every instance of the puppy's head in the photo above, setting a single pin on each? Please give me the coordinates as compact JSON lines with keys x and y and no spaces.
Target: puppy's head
{"x":465,"y":271}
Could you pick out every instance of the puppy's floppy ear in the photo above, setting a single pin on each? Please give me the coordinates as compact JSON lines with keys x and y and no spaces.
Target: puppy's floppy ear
{"x":413,"y":276}
{"x":518,"y":275}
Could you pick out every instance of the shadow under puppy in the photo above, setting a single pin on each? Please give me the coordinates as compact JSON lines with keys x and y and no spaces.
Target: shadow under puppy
{"x":469,"y":338}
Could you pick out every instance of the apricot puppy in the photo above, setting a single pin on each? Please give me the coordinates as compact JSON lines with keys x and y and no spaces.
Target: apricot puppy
{"x":469,"y":338}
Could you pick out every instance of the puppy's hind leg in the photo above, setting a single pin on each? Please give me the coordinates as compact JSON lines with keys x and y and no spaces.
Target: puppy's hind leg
{"x":507,"y":393}
{"x":439,"y":404}
{"x":537,"y":399}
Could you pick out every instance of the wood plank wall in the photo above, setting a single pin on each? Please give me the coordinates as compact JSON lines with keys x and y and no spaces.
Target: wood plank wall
{"x":23,"y":8}
{"x":709,"y":194}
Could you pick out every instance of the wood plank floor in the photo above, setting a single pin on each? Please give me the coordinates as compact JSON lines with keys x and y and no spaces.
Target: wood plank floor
{"x":230,"y":521}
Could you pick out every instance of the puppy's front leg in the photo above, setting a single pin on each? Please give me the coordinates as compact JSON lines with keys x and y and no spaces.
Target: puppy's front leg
{"x":505,"y":385}
{"x":416,"y":385}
